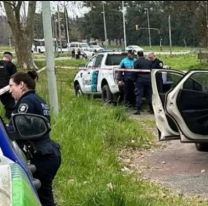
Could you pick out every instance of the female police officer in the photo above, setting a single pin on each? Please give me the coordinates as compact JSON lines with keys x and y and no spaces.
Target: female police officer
{"x":45,"y":152}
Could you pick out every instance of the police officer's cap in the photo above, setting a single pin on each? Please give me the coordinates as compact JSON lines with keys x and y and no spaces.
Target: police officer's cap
{"x":8,"y":53}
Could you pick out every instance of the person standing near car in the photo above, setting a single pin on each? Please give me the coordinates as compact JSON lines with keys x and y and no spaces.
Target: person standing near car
{"x":7,"y":68}
{"x":126,"y":79}
{"x":45,"y":153}
{"x":143,"y":82}
{"x":156,"y":63}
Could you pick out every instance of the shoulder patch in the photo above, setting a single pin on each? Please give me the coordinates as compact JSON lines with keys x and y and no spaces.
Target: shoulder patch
{"x":23,"y":107}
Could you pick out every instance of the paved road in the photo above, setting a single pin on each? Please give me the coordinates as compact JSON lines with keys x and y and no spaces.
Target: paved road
{"x":175,"y":165}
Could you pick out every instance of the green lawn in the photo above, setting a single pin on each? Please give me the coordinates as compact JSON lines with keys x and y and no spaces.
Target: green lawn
{"x":91,"y":135}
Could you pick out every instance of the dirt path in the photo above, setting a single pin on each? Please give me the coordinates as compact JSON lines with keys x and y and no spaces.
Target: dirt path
{"x":172,"y":164}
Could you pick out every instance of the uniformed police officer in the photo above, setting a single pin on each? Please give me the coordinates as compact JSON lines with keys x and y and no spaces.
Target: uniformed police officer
{"x":156,"y":63}
{"x":143,"y":82}
{"x":7,"y":68}
{"x":45,"y":152}
{"x":126,"y":79}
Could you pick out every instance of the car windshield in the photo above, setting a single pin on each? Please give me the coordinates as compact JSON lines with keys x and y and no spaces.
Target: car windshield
{"x":114,"y":59}
{"x":84,"y":45}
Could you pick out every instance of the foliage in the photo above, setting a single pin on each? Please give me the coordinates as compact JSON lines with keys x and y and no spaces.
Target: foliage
{"x":22,"y":30}
{"x":188,"y":22}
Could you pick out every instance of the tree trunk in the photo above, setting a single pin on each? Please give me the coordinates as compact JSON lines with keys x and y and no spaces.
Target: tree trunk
{"x":22,"y":32}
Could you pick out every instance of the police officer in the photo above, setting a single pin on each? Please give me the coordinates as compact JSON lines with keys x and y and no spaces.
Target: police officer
{"x":7,"y":68}
{"x":143,"y":82}
{"x":45,"y":152}
{"x":126,"y":79}
{"x":156,"y":63}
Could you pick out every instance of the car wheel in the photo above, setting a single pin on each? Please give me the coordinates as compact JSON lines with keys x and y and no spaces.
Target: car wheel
{"x":203,"y":147}
{"x":78,"y":91}
{"x":106,"y":94}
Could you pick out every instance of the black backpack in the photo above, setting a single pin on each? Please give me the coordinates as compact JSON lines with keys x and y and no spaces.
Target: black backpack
{"x":4,"y":74}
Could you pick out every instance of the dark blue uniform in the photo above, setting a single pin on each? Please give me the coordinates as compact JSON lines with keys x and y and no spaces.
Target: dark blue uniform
{"x":143,"y":83}
{"x":6,"y":70}
{"x":45,"y":152}
{"x":158,"y":64}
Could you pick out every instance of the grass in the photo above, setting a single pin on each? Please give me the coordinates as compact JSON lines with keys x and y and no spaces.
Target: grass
{"x":183,"y":62}
{"x":91,"y":135}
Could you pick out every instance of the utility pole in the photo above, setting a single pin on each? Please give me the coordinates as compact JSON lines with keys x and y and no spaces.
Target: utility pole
{"x":59,"y":27}
{"x":124,"y":24}
{"x":52,"y":87}
{"x":170,"y":38}
{"x":148,"y":25}
{"x":104,"y":22}
{"x":67,"y":28}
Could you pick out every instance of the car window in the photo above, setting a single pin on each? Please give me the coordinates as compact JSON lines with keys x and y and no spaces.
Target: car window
{"x":114,"y":59}
{"x":167,"y":80}
{"x":91,"y":63}
{"x":197,"y":82}
{"x":98,"y":60}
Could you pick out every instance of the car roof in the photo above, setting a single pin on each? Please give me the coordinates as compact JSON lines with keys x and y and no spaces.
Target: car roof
{"x":133,"y":46}
{"x":112,"y":52}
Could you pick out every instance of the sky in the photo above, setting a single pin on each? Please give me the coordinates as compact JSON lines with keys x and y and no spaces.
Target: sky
{"x":74,"y":8}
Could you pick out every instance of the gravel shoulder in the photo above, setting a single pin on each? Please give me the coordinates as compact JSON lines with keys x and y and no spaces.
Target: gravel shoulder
{"x":175,"y":165}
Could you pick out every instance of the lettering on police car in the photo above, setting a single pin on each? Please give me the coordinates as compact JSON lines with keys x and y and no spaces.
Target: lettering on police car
{"x":23,"y":107}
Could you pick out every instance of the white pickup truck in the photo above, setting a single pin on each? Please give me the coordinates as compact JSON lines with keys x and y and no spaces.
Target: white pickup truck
{"x":98,"y":76}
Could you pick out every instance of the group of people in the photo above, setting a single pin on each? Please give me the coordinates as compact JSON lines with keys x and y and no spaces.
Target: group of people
{"x":22,"y":98}
{"x":137,"y":84}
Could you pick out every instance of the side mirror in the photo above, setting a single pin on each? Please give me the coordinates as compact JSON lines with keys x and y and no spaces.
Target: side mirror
{"x":30,"y":126}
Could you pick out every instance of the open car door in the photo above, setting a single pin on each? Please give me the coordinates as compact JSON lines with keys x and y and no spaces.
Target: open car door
{"x":164,"y":81}
{"x":187,"y":104}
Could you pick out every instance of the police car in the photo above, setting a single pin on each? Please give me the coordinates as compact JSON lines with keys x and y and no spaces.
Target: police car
{"x":99,"y":76}
{"x":17,"y":185}
{"x":181,"y":106}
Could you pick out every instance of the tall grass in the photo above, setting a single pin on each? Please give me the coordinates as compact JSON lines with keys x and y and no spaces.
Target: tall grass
{"x":91,"y":135}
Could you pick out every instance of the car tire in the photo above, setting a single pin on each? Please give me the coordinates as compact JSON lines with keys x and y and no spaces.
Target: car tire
{"x":106,"y":94}
{"x":78,"y":91}
{"x":203,"y":147}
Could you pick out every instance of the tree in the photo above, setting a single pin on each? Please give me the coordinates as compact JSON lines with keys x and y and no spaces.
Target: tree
{"x":22,"y":30}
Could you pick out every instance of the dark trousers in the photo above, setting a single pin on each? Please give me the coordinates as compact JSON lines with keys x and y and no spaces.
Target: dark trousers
{"x":8,"y":101}
{"x":143,"y":88}
{"x":129,"y":97}
{"x":47,"y":166}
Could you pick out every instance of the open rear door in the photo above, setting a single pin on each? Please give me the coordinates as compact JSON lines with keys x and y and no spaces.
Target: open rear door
{"x":187,"y":104}
{"x":164,"y":81}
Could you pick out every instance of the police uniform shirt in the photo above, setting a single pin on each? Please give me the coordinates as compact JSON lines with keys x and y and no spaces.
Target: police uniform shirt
{"x":156,"y":64}
{"x":30,"y":102}
{"x":127,"y":63}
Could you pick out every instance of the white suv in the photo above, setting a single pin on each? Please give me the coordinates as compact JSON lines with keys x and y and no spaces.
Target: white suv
{"x":181,"y":106}
{"x":98,"y":76}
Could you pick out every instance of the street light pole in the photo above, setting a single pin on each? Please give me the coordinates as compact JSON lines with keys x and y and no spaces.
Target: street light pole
{"x":170,"y":38}
{"x":148,"y":25}
{"x":124,"y":23}
{"x":59,"y":28}
{"x":104,"y":22}
{"x":67,"y":25}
